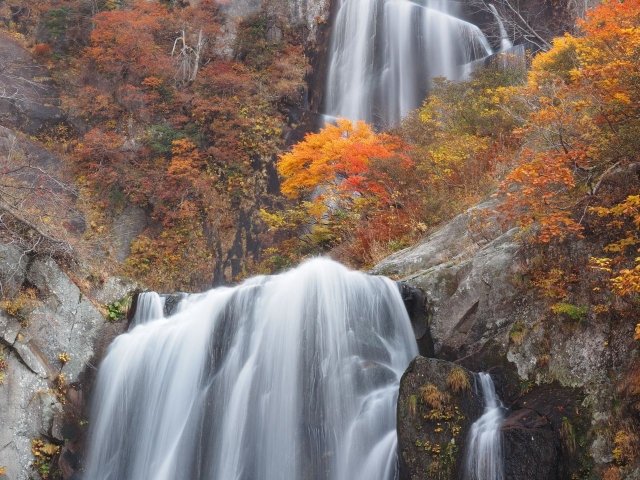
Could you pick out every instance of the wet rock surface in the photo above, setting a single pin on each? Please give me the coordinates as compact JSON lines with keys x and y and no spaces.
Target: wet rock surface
{"x":431,"y":436}
{"x":475,"y":295}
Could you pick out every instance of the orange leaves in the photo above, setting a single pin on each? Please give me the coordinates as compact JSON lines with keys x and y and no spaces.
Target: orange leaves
{"x":338,"y":154}
{"x":536,"y":191}
{"x":582,"y":99}
{"x":124,"y":41}
{"x":185,"y":160}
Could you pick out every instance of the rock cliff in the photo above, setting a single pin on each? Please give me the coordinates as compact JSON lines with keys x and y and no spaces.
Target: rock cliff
{"x":52,"y":337}
{"x":560,"y":378}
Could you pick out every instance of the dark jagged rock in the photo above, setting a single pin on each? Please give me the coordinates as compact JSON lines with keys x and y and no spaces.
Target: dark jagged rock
{"x":431,"y":438}
{"x":418,"y":310}
{"x":171,"y":302}
{"x":530,"y":447}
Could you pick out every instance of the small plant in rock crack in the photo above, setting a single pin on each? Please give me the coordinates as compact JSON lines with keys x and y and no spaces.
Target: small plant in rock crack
{"x":118,"y":310}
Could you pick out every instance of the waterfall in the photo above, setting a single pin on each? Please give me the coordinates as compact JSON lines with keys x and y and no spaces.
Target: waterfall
{"x":484,"y":452}
{"x":383,"y":54}
{"x":150,"y":307}
{"x":505,"y":43}
{"x":293,"y":376}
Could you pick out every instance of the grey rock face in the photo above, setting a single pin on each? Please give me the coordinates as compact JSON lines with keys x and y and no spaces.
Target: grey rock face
{"x":474,"y":300}
{"x":459,"y":239}
{"x":30,"y":101}
{"x":114,"y":289}
{"x":25,"y":413}
{"x":13,"y":268}
{"x":66,"y":322}
{"x":63,"y":320}
{"x":126,"y":227}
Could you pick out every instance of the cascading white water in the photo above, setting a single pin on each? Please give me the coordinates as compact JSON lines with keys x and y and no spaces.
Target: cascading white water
{"x":505,"y":42}
{"x":484,"y":451}
{"x":150,"y":307}
{"x":287,"y":377}
{"x":383,"y":54}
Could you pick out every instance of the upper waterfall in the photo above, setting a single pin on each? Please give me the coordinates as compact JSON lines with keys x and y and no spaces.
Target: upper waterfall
{"x":292,"y":376}
{"x":383,"y":54}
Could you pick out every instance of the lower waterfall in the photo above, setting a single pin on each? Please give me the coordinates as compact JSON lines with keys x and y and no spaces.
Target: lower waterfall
{"x":484,"y":452}
{"x":286,"y":377}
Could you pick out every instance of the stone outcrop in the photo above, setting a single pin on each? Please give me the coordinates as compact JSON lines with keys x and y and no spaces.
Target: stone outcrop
{"x":434,"y":418}
{"x":28,"y":98}
{"x":469,"y":277}
{"x":482,"y":312}
{"x":52,"y":344}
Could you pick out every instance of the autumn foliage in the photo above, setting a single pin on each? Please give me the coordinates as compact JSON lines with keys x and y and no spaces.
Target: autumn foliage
{"x":580,"y":107}
{"x":577,"y":173}
{"x":338,"y":156}
{"x":170,"y":117}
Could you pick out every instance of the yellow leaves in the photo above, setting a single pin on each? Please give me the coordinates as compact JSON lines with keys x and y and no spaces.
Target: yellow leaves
{"x":628,"y":280}
{"x":40,"y":448}
{"x":603,"y":264}
{"x":559,"y":61}
{"x":273,"y":220}
{"x":626,"y":445}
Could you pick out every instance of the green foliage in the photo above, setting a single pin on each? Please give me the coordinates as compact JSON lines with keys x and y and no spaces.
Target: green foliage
{"x":118,"y":310}
{"x":57,"y":21}
{"x":573,"y":312}
{"x":525,"y":386}
{"x":160,"y":138}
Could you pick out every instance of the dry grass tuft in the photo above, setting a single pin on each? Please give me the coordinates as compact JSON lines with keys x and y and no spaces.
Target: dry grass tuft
{"x":458,"y":380}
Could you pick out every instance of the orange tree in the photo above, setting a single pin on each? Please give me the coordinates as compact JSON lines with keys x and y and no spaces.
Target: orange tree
{"x":577,"y":172}
{"x":346,"y":182}
{"x":581,"y":111}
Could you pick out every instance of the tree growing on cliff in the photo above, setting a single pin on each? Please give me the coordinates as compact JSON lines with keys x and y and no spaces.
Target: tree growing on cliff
{"x":582,"y":121}
{"x":335,"y":162}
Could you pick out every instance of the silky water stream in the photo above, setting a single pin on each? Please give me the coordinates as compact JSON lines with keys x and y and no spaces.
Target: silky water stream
{"x":293,"y":376}
{"x":483,"y":459}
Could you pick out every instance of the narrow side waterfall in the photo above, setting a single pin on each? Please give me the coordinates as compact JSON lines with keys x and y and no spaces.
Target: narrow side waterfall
{"x":383,"y":54}
{"x":286,"y":377}
{"x":484,"y":459}
{"x":150,"y":307}
{"x":505,"y":42}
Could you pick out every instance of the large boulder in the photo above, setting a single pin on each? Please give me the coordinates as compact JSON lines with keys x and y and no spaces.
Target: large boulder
{"x":483,"y":311}
{"x":471,"y":300}
{"x":437,"y":404}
